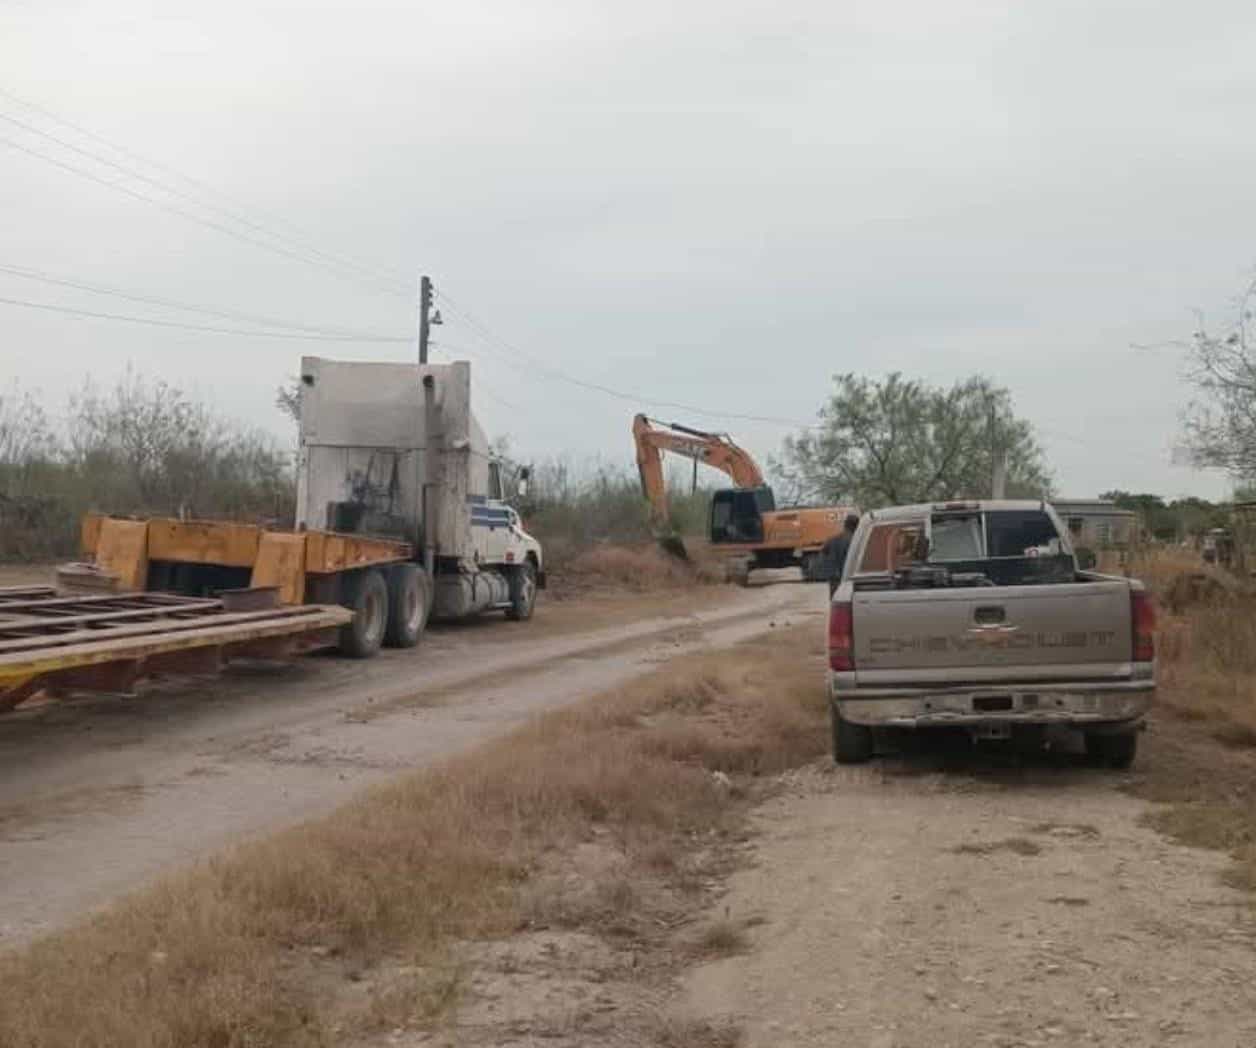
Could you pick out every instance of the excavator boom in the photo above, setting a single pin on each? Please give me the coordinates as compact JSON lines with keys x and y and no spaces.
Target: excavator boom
{"x":746,"y":527}
{"x":711,"y":449}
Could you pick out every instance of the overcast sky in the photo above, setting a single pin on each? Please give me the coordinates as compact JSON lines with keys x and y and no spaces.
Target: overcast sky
{"x":719,"y":204}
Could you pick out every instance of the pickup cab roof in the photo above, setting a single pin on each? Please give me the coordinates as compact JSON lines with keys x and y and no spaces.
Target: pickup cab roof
{"x":892,"y":513}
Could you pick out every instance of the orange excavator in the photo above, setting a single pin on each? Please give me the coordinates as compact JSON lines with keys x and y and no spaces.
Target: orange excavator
{"x":745,"y":524}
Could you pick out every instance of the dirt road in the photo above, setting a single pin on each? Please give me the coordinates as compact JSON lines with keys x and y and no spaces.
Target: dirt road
{"x":101,"y":794}
{"x":898,"y":905}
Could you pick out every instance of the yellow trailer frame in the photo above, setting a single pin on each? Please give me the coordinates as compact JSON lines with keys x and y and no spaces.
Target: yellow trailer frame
{"x":124,"y":548}
{"x":108,"y":639}
{"x":106,"y":642}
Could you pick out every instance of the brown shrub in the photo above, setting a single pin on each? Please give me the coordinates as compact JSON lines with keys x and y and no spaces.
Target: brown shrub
{"x":642,"y":569}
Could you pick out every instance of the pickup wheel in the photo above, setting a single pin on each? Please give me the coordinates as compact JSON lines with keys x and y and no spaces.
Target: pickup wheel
{"x":1112,"y":750}
{"x":522,"y":592}
{"x":852,"y":743}
{"x":407,"y":605}
{"x":365,"y":594}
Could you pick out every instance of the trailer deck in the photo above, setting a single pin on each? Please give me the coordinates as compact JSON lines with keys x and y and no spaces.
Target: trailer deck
{"x":106,"y":642}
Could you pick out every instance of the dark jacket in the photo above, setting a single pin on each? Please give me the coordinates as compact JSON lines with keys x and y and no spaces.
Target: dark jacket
{"x":834,"y":553}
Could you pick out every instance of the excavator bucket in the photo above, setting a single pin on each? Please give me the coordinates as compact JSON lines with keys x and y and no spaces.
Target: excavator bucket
{"x":673,"y":546}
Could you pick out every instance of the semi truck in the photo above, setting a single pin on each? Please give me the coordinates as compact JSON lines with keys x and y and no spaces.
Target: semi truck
{"x":400,"y":518}
{"x":393,"y":451}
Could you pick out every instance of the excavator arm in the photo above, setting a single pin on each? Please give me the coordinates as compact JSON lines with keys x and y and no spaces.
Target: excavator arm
{"x":711,"y":449}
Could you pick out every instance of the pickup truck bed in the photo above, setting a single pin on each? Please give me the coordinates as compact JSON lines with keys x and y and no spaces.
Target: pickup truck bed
{"x":1004,"y":635}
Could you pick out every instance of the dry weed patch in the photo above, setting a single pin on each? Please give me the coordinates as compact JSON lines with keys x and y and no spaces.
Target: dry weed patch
{"x":639,"y":568}
{"x":272,"y":943}
{"x":1206,"y":695}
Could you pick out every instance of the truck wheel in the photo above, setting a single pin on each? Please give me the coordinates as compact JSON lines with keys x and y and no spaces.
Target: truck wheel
{"x":852,"y":743}
{"x":365,"y":594}
{"x":407,"y":605}
{"x":1112,"y":751}
{"x":522,"y":592}
{"x":811,"y":567}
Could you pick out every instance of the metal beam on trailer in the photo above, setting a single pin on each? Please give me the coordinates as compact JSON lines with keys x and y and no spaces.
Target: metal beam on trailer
{"x":108,"y":642}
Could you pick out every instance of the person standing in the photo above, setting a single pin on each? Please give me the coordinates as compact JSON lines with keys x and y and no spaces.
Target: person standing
{"x":835,"y":550}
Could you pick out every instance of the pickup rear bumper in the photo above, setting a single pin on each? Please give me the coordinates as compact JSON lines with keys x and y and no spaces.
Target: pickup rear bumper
{"x":1116,"y":703}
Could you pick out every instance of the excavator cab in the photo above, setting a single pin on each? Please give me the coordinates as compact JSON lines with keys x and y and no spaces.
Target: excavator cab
{"x":737,"y":514}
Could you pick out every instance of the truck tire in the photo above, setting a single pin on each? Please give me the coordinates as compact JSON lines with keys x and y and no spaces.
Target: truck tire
{"x":522,"y":592}
{"x":852,"y":743}
{"x":1112,"y":750}
{"x":812,"y":568}
{"x":365,"y":594}
{"x":407,"y":605}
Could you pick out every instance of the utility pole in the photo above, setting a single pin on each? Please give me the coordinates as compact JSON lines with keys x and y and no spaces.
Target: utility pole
{"x":998,"y":458}
{"x":425,"y":316}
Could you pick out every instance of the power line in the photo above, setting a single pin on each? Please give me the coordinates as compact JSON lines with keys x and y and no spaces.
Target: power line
{"x":238,"y":212}
{"x":193,"y":327}
{"x":165,"y":206}
{"x":488,"y":335}
{"x":253,"y":318}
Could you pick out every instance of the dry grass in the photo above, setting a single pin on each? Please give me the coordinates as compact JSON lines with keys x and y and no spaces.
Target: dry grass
{"x":1208,"y":670}
{"x":1016,"y":845}
{"x":695,"y":1033}
{"x":1206,"y":695}
{"x":264,"y":945}
{"x":723,"y":938}
{"x":638,"y":568}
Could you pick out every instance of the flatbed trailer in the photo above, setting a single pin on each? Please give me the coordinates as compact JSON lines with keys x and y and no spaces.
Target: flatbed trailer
{"x":56,"y":643}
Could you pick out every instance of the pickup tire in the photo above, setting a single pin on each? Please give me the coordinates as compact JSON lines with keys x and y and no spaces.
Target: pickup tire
{"x":1112,"y":750}
{"x":407,"y":605}
{"x":522,"y":592}
{"x":852,"y":743}
{"x":366,"y":595}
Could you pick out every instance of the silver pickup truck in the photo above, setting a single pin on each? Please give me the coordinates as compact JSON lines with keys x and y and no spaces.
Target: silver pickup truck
{"x":975,"y":615}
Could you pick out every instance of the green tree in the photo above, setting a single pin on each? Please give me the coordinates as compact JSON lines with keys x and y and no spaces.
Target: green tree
{"x":899,"y":440}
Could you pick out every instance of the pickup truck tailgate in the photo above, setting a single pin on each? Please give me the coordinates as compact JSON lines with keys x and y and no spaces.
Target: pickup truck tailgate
{"x":1077,"y":630}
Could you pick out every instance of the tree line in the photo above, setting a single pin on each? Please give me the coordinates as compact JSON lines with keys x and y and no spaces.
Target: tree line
{"x":138,"y":446}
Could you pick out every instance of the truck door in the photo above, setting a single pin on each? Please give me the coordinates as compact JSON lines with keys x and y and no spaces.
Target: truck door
{"x":491,"y":519}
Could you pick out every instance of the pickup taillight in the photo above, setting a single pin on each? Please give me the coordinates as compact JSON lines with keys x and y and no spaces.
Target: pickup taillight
{"x":1143,"y":624}
{"x":841,"y":637}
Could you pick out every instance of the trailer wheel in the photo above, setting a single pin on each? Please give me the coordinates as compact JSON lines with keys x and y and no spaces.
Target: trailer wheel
{"x":407,"y":605}
{"x":522,"y":592}
{"x":365,"y":594}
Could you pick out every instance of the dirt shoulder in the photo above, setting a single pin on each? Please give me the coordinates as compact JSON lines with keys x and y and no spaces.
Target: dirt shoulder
{"x":145,"y":784}
{"x":383,"y":918}
{"x":910,"y":904}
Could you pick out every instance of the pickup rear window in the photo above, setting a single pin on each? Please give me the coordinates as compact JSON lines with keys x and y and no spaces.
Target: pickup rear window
{"x":1006,"y":546}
